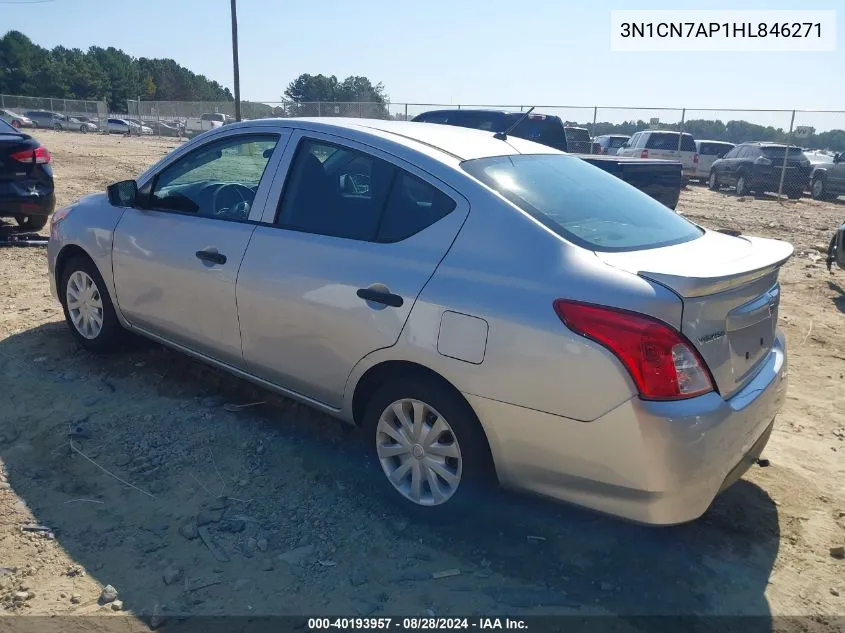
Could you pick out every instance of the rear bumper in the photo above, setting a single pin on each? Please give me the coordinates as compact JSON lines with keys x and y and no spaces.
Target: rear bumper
{"x":770,"y":181}
{"x":25,"y":206}
{"x":659,"y":463}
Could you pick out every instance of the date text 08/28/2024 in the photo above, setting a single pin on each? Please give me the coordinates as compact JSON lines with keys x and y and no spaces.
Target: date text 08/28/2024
{"x":415,"y":623}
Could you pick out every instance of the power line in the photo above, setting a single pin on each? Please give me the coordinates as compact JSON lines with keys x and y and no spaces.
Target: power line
{"x":25,"y":1}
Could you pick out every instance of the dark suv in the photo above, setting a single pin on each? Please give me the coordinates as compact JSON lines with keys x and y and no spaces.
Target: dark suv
{"x":756,"y":168}
{"x":541,"y":128}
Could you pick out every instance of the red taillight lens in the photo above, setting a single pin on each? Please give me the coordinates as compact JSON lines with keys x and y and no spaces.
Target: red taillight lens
{"x":39,"y":155}
{"x":695,"y":159}
{"x":644,"y":153}
{"x":662,"y":363}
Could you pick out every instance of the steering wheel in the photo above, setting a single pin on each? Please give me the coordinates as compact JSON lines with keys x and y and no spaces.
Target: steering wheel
{"x":232,"y":201}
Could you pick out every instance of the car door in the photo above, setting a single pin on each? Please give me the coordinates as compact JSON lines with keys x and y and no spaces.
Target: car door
{"x":727,"y":168}
{"x":628,"y":148}
{"x":176,"y":260}
{"x":332,"y":275}
{"x":836,"y":175}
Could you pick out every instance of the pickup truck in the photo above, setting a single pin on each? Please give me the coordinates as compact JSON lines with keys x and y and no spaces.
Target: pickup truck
{"x":661,"y":179}
{"x":208,"y":121}
{"x":827,"y":180}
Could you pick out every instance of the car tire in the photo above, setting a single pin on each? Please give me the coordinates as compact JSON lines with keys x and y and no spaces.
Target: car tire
{"x":57,"y":127}
{"x":713,"y":181}
{"x":33,"y":222}
{"x":83,"y":129}
{"x":818,"y":189}
{"x":742,"y":185}
{"x":451,"y":469}
{"x":89,"y":292}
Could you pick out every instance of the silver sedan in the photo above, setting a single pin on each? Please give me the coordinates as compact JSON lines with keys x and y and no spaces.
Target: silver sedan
{"x":486,"y":308}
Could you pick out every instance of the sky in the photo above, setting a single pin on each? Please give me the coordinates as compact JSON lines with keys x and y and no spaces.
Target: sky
{"x":456,"y":52}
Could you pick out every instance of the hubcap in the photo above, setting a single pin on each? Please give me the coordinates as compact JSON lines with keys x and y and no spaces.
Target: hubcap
{"x":818,"y":186}
{"x":84,"y":304}
{"x":740,"y":185}
{"x":419,"y":452}
{"x":712,"y":181}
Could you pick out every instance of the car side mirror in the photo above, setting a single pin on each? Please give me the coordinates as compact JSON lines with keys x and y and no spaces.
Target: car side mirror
{"x":123,"y":193}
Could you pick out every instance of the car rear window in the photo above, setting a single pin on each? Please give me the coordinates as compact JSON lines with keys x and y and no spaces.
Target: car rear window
{"x":582,"y":203}
{"x":669,"y":140}
{"x":615,"y":142}
{"x":545,"y":130}
{"x":776,"y":151}
{"x":715,"y":149}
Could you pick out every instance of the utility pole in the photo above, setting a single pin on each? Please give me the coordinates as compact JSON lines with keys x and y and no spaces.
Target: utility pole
{"x":235,"y":60}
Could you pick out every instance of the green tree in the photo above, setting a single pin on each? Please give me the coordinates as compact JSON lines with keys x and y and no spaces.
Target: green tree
{"x":306,"y":89}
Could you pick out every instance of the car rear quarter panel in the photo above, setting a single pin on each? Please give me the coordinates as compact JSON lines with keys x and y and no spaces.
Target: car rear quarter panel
{"x":508,"y":269}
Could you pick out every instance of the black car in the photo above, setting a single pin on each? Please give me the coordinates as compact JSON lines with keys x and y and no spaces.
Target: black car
{"x":756,"y":168}
{"x":26,"y":179}
{"x":610,"y":143}
{"x":541,"y":128}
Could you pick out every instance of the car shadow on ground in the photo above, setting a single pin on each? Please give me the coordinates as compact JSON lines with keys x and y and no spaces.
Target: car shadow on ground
{"x":311,"y":483}
{"x":839,"y":299}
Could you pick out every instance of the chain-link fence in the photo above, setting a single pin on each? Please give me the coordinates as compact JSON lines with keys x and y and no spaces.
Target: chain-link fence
{"x":61,"y":114}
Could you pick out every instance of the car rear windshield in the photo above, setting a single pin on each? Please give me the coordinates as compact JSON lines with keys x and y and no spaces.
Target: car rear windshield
{"x":669,"y":140}
{"x":546,"y":130}
{"x":715,"y":149}
{"x":582,"y":203}
{"x":615,"y":142}
{"x":776,"y":151}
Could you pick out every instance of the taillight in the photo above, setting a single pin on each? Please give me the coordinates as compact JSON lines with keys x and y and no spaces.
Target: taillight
{"x":661,"y":362}
{"x":644,"y":153}
{"x":39,"y":156}
{"x":695,"y":158}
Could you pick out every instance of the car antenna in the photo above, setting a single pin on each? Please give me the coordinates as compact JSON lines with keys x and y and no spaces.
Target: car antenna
{"x":503,"y":136}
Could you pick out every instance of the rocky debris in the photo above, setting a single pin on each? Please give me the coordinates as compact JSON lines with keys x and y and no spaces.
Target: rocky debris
{"x":206,"y":517}
{"x":400,"y":525}
{"x":189,"y":530}
{"x":219,"y":503}
{"x":446,"y":573}
{"x":74,"y":571}
{"x":267,"y":565}
{"x":75,"y":598}
{"x":357,"y":577}
{"x":821,"y":248}
{"x":232,"y":525}
{"x":521,"y":598}
{"x":213,"y":547}
{"x":838,"y":552}
{"x":261,"y":544}
{"x":108,"y":594}
{"x":172,"y":575}
{"x":117,"y":605}
{"x":213,"y":401}
{"x":834,"y":591}
{"x":158,"y":617}
{"x":297,"y":556}
{"x":22,"y":596}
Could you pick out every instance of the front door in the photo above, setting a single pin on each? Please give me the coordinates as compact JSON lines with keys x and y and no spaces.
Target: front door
{"x":176,"y":260}
{"x":356,"y":236}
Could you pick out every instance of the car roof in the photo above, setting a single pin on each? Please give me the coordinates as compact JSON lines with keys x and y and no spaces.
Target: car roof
{"x":445,"y":142}
{"x":704,"y":140}
{"x":665,"y":132}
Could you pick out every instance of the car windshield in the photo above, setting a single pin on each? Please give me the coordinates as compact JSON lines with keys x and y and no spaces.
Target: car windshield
{"x":776,"y":151}
{"x":669,"y":141}
{"x":615,"y":142}
{"x":582,"y":203}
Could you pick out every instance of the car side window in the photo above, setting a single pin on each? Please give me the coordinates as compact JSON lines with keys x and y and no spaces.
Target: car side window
{"x":334,"y":190}
{"x":639,"y":142}
{"x":732,"y":153}
{"x":412,"y":206}
{"x":219,"y":179}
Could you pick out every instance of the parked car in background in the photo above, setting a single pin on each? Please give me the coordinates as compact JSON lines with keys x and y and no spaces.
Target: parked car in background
{"x":659,"y":179}
{"x":709,"y":151}
{"x":165,"y":128}
{"x":16,"y":120}
{"x":610,"y":143}
{"x":77,"y":125}
{"x":818,"y":157}
{"x":827,"y":180}
{"x":663,"y":144}
{"x":662,"y":334}
{"x":26,"y":179}
{"x":46,"y":119}
{"x":754,"y":168}
{"x":208,"y":121}
{"x":126,"y":126}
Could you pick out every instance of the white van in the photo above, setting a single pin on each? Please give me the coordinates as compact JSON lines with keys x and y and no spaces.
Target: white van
{"x":709,"y":151}
{"x":663,"y":144}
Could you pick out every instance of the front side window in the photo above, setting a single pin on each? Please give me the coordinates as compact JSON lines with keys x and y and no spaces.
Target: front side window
{"x":219,"y":179}
{"x":582,"y":203}
{"x":341,"y":192}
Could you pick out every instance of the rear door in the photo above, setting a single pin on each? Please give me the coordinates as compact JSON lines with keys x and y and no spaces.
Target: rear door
{"x":729,"y":286}
{"x":350,"y":237}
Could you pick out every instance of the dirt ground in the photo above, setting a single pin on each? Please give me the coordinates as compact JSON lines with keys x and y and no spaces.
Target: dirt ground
{"x":299,"y":531}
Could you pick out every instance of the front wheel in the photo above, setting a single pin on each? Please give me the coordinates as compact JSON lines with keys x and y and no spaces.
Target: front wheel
{"x":88,"y":309}
{"x":33,"y":222}
{"x":83,"y":129}
{"x":429,"y":444}
{"x":57,"y":127}
{"x":818,"y":189}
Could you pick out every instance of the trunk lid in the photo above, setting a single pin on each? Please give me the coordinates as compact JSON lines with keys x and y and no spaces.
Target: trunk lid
{"x":730,"y":291}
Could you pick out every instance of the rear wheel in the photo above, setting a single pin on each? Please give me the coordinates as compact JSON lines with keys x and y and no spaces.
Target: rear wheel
{"x":83,"y":129}
{"x":742,"y":185}
{"x":33,"y":222}
{"x":430,"y":446}
{"x":88,"y":308}
{"x":713,"y":182}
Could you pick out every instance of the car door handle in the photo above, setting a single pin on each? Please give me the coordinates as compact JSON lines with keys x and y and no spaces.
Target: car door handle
{"x":212,"y":257}
{"x":380,"y":296}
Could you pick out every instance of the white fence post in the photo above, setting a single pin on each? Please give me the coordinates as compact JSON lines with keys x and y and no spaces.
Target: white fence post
{"x":785,"y":154}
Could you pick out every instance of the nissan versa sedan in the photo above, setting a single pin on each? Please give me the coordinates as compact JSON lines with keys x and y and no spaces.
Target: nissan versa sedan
{"x":486,"y":309}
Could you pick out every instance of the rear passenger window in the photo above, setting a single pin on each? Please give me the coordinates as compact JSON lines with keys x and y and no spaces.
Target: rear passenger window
{"x":413,"y":205}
